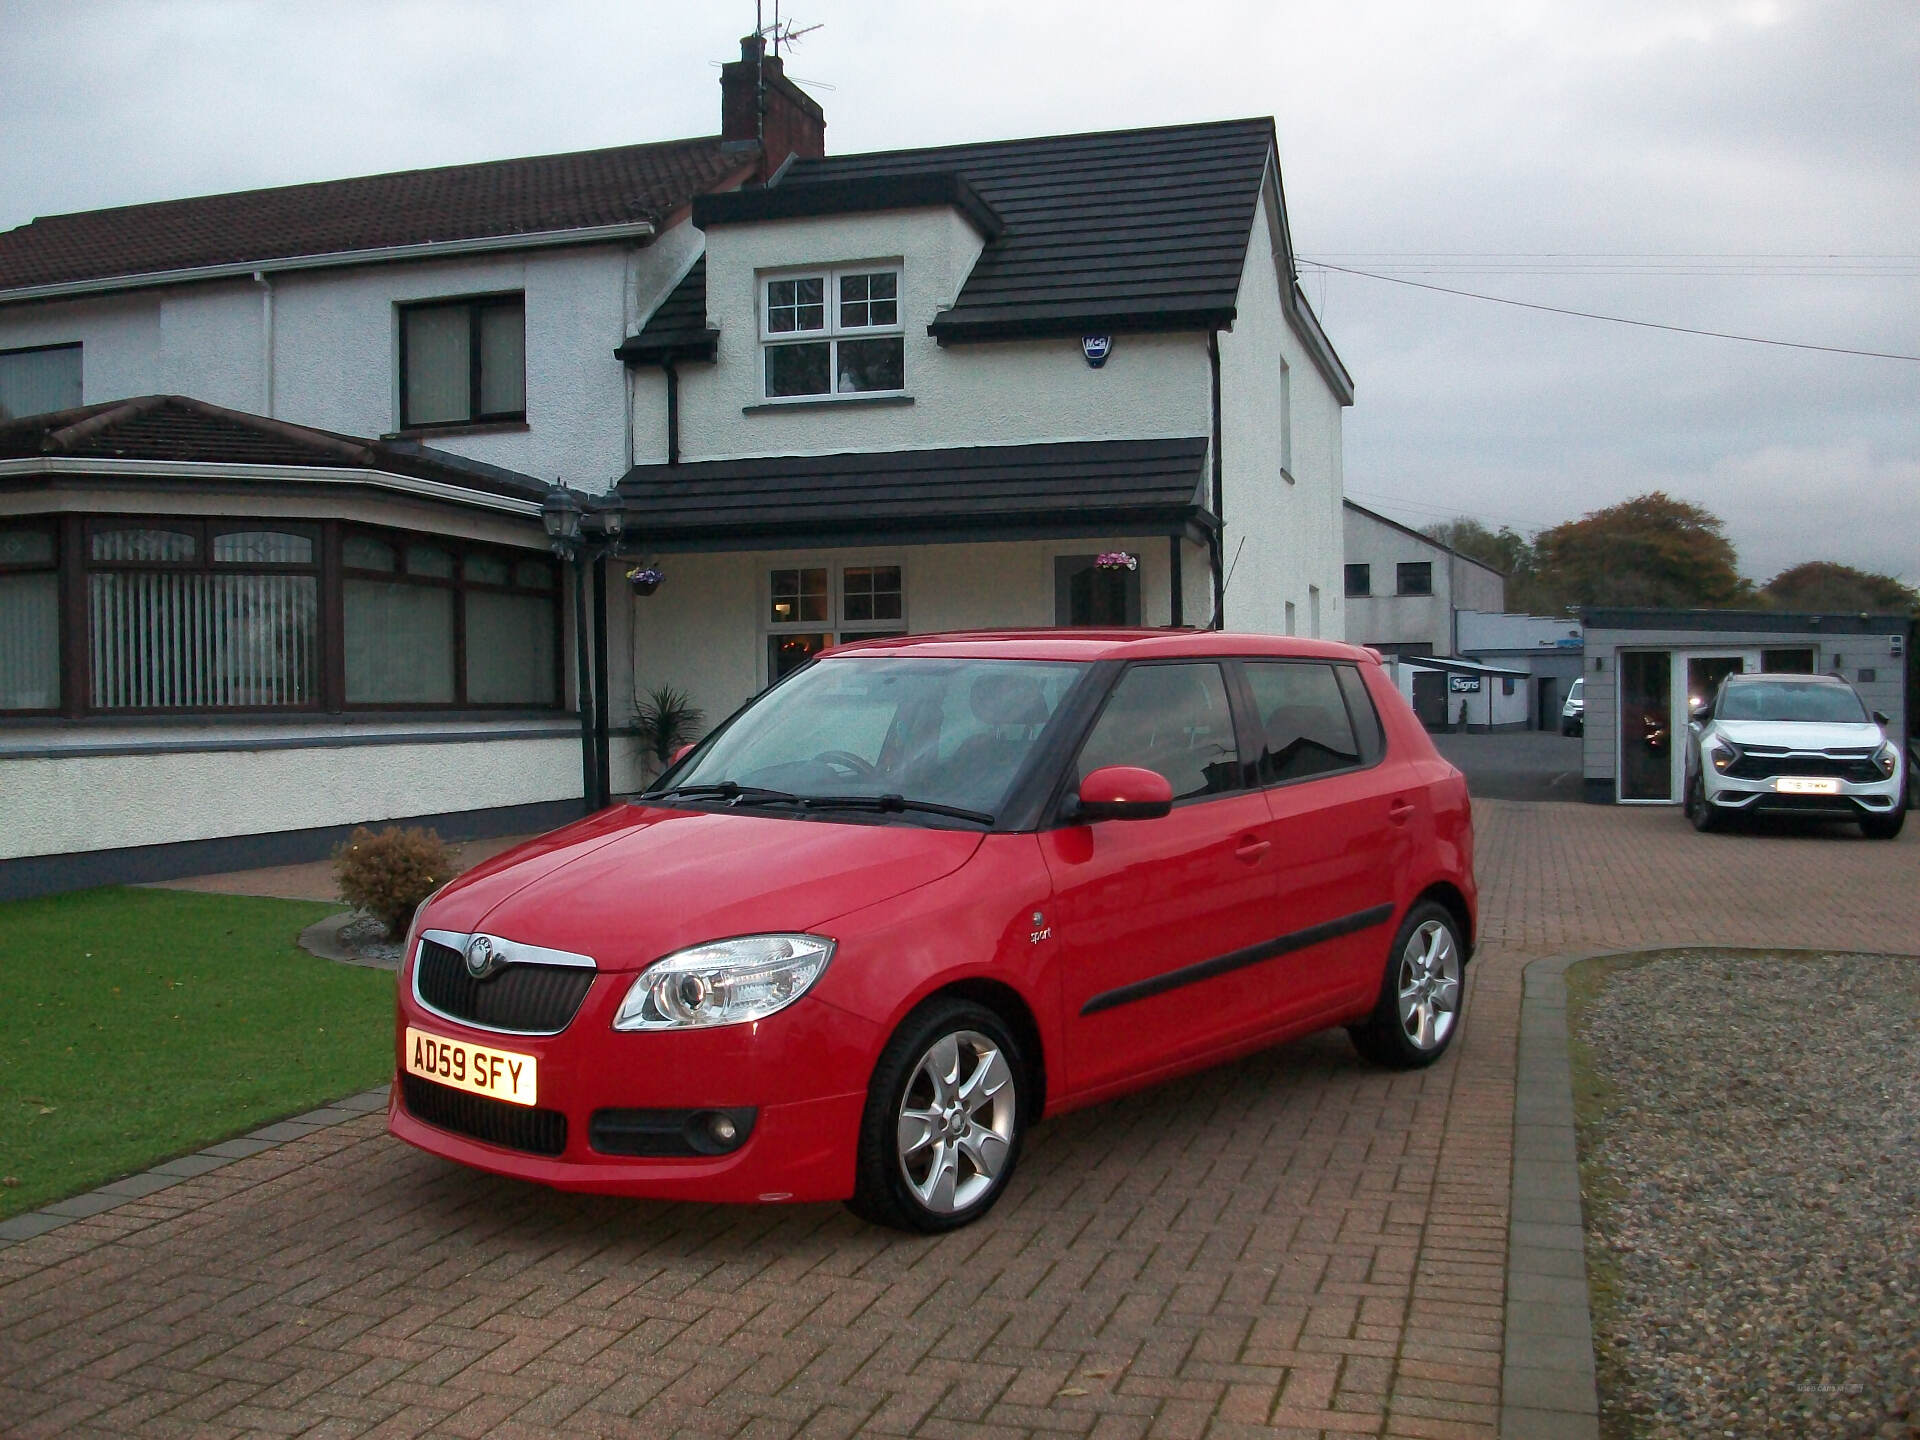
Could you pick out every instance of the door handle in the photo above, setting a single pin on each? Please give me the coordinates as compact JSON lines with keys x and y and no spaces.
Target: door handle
{"x":1251,"y":848}
{"x":1399,"y":810}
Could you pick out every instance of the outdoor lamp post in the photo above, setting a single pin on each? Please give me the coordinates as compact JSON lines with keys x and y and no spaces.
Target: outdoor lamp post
{"x":584,"y":538}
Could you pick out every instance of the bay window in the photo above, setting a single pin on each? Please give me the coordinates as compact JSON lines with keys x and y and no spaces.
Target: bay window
{"x":29,"y":618}
{"x":832,"y":332}
{"x":187,"y":615}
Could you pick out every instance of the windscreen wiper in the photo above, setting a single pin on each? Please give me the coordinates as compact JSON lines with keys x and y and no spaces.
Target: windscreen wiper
{"x":725,"y":790}
{"x":891,"y":805}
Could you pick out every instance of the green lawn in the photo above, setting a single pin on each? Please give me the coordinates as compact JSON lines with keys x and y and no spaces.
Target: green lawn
{"x":139,"y":1024}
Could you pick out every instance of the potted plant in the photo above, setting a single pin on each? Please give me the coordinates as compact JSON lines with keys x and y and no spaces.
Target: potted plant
{"x":666,"y":720}
{"x":644,"y":579}
{"x":1116,"y":560}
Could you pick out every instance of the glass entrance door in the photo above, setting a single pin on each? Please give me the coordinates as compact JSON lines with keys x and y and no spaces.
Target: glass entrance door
{"x":1646,"y":725}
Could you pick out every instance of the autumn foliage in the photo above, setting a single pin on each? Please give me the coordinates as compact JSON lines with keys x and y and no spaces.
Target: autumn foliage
{"x":1652,"y":550}
{"x":387,"y":874}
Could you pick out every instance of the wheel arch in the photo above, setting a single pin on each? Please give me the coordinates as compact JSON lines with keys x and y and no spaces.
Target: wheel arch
{"x":1012,"y":1007}
{"x":1450,"y":898}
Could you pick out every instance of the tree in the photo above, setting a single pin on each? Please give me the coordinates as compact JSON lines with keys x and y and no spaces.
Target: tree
{"x":1506,"y":550}
{"x":1650,"y":550}
{"x":1825,"y":585}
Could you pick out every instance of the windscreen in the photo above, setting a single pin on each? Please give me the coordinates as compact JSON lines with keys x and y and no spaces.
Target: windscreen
{"x":948,"y":732}
{"x":1810,"y":703}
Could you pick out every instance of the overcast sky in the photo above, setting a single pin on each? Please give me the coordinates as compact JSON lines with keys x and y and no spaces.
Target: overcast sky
{"x":1738,"y":165}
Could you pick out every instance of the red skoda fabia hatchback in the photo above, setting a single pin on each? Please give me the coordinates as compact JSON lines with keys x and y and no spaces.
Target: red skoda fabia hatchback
{"x":926,"y":890}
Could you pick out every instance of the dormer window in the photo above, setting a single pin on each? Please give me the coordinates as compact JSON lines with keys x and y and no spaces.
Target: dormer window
{"x":833,"y":332}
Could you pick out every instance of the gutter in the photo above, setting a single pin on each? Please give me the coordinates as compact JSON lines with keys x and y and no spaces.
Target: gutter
{"x":643,"y":230}
{"x":1217,"y":540}
{"x":307,"y":474}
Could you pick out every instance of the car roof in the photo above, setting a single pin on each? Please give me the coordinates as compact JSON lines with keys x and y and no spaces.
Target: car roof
{"x":1088,"y":644}
{"x":1790,"y":677}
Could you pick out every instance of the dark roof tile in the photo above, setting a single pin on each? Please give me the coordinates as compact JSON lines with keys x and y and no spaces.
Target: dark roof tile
{"x":1068,"y":487}
{"x":623,"y":185}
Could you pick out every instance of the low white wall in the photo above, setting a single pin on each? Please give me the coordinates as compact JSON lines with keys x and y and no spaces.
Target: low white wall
{"x":57,"y":804}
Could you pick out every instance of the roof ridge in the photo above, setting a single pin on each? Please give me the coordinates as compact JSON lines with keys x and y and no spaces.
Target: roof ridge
{"x":105,"y":418}
{"x":1244,"y":121}
{"x":422,"y":170}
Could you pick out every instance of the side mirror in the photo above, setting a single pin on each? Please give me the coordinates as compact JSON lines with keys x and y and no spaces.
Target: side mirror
{"x":1123,"y":792}
{"x":680,"y":754}
{"x":1701,"y":713}
{"x":1880,"y":717}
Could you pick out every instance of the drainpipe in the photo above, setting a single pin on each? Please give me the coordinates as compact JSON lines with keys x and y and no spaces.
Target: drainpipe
{"x":1216,"y":545}
{"x":266,"y":342}
{"x":673,"y":410}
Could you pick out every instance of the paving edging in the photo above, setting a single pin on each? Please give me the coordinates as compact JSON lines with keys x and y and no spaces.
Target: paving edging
{"x":1547,"y":1385}
{"x":172,"y":1172}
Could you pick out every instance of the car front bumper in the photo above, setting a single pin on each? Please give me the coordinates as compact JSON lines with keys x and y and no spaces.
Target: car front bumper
{"x":798,"y":1078}
{"x":1736,"y":795}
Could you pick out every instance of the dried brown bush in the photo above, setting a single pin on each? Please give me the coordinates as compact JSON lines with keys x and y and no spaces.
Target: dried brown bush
{"x":388,"y":873}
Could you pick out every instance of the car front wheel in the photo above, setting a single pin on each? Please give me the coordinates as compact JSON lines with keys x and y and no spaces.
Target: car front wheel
{"x":946,"y":1112}
{"x":1421,"y":994}
{"x":1700,"y":809}
{"x":1883,"y":827}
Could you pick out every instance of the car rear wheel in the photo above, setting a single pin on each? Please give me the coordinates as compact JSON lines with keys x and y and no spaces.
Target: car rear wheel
{"x":1420,"y":995}
{"x":946,"y":1112}
{"x":1883,"y":827}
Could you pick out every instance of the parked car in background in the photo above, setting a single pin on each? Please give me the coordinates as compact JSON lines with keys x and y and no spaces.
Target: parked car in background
{"x":1573,"y":714}
{"x":929,"y":889}
{"x":1793,"y":744}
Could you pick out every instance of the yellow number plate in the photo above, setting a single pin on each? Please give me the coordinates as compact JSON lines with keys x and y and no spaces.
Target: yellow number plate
{"x":1807,"y":785}
{"x":496,"y":1074}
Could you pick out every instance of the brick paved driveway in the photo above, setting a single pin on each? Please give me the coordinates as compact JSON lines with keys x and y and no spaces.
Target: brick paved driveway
{"x":1292,"y":1245}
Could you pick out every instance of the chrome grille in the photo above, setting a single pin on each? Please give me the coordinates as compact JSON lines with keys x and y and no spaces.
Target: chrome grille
{"x":519,"y":999}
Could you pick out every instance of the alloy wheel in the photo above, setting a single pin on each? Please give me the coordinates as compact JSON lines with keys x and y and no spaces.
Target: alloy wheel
{"x":955,"y":1129}
{"x":1429,"y":985}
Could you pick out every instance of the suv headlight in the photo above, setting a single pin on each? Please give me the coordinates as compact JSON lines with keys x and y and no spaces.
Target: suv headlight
{"x":724,"y":982}
{"x":1721,"y":754}
{"x":1887,"y":757}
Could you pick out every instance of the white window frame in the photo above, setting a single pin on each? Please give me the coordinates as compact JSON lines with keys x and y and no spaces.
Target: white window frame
{"x":836,"y":627}
{"x":832,"y":332}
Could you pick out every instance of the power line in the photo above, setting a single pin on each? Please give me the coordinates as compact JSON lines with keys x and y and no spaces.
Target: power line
{"x":1614,"y":319}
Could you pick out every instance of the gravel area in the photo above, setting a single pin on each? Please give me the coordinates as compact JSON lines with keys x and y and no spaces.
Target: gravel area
{"x":367,"y":938}
{"x":1750,"y":1159}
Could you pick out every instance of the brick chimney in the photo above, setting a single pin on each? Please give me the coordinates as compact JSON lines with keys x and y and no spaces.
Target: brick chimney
{"x":759,"y":103}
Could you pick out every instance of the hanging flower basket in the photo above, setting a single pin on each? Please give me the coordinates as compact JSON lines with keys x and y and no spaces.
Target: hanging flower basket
{"x":1116,"y":560}
{"x":644,"y":579}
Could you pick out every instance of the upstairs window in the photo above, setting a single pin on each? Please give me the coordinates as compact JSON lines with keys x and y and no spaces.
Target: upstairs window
{"x":1359,"y":580}
{"x":832,"y":332}
{"x":1414,"y":577}
{"x":463,"y":362}
{"x":40,"y":380}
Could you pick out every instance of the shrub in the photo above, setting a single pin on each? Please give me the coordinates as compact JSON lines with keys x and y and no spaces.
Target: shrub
{"x":387,"y":874}
{"x":666,"y":720}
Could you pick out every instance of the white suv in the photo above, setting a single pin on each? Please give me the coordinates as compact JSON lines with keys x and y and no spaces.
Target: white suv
{"x":1796,"y":744}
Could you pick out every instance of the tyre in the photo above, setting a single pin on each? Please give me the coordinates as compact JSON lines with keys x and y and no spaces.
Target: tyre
{"x":1704,"y":817}
{"x":1883,"y":827}
{"x":946,"y":1112}
{"x":1420,"y":995}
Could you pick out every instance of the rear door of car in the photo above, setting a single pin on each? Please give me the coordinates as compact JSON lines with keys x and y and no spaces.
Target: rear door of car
{"x":1152,"y":920}
{"x":1342,"y":817}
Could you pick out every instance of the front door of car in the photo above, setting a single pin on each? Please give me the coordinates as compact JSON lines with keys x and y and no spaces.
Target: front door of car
{"x":1150,"y":916}
{"x":1344,"y":817}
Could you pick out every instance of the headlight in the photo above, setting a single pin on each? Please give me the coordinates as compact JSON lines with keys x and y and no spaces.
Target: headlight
{"x":1722,"y":755}
{"x":1887,"y":757}
{"x":726,"y":982}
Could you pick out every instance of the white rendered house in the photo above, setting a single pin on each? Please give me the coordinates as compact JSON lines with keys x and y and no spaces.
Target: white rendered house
{"x":826,"y":397}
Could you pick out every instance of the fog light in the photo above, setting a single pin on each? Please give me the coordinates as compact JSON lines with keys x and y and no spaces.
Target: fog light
{"x":722,"y":1128}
